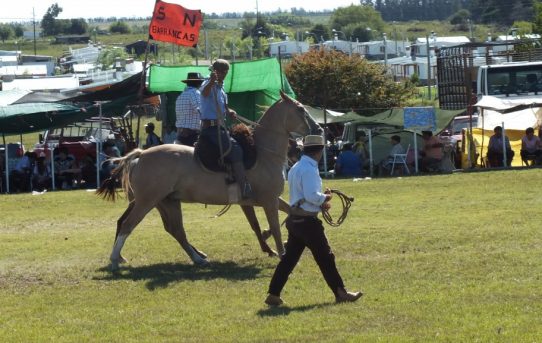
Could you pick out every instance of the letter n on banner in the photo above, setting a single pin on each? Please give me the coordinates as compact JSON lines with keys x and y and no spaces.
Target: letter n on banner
{"x":175,"y":24}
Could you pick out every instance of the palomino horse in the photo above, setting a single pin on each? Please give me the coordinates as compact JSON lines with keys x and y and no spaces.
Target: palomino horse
{"x":166,"y":175}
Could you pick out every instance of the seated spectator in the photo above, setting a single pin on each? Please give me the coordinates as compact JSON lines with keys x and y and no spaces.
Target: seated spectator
{"x":88,"y":171}
{"x":531,"y":148}
{"x":348,"y":162}
{"x":431,"y":155}
{"x":171,"y":134}
{"x":66,"y":169}
{"x":108,"y":153}
{"x":360,"y":146}
{"x":41,"y":175}
{"x":386,"y":164}
{"x":20,"y":176}
{"x":152,"y":138}
{"x":495,"y":153}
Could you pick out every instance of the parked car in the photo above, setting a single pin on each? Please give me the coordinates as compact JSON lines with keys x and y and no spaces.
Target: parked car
{"x":80,"y":138}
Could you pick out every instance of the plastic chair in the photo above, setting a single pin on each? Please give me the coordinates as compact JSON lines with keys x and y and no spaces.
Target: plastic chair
{"x":400,"y":159}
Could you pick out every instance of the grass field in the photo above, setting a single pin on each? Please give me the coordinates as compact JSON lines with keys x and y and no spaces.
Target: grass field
{"x":445,"y":258}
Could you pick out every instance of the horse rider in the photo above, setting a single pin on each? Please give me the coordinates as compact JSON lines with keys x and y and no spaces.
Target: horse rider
{"x":214,"y":108}
{"x":304,"y":227}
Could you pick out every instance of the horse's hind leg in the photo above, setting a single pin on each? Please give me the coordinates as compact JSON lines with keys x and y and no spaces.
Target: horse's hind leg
{"x":119,"y":224}
{"x":253,"y":221}
{"x":284,"y":207}
{"x":132,"y":217}
{"x":170,"y":211}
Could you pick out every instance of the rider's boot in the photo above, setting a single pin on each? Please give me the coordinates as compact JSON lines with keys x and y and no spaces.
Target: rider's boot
{"x":241,"y":177}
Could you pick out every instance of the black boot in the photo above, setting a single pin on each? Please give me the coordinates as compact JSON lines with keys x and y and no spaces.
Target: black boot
{"x":241,"y":178}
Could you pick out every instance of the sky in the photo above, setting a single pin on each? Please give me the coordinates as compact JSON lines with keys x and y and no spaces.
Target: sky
{"x":143,"y":8}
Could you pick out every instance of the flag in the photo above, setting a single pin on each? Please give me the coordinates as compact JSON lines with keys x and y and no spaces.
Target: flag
{"x":175,"y":24}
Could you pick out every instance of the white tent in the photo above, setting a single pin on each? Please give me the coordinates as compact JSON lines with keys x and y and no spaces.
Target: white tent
{"x":517,"y":114}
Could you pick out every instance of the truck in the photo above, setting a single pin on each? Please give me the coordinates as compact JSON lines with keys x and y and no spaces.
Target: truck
{"x":469,"y":71}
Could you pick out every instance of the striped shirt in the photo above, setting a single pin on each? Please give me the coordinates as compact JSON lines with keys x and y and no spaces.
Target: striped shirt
{"x":187,"y":109}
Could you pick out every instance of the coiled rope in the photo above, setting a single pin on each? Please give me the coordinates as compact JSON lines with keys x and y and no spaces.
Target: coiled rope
{"x":346,"y":202}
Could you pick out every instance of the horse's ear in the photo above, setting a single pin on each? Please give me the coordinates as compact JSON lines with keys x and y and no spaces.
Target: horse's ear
{"x":284,"y":96}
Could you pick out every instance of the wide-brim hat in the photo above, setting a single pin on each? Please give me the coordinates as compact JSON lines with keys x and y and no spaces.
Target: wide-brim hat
{"x":193,"y":77}
{"x":313,"y":140}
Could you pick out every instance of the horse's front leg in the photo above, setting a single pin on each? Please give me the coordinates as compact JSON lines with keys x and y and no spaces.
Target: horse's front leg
{"x":272,"y":214}
{"x":250,"y":214}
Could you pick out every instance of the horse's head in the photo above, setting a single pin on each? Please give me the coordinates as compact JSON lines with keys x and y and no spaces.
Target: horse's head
{"x":297,"y":118}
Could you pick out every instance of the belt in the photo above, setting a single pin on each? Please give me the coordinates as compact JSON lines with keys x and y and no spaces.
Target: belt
{"x":299,"y":212}
{"x":205,"y":123}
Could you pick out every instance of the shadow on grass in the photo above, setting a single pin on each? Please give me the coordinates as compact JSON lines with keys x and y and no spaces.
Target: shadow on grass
{"x":285,"y":310}
{"x":162,"y":274}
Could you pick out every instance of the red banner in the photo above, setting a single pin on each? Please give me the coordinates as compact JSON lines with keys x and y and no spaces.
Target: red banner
{"x":175,"y":24}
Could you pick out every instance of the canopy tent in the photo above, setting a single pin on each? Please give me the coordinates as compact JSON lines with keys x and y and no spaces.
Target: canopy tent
{"x":380,"y":127}
{"x":331,"y":117}
{"x":517,"y":114}
{"x":393,"y":119}
{"x":32,"y":117}
{"x":251,"y":86}
{"x":480,"y":141}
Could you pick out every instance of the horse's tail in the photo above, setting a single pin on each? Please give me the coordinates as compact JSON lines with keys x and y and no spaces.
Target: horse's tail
{"x":122,"y":171}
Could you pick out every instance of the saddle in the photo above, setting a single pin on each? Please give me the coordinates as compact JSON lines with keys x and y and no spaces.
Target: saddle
{"x":208,"y":154}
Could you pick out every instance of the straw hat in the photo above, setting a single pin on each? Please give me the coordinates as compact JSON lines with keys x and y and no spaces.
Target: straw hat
{"x":313,"y":140}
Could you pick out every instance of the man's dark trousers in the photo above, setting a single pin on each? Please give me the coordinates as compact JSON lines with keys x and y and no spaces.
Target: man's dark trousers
{"x":306,"y":231}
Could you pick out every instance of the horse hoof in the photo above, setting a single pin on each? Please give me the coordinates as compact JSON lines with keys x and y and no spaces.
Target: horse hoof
{"x":272,"y":253}
{"x":122,"y":260}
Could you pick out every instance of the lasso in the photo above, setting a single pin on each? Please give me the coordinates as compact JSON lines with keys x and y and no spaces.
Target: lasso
{"x":346,"y":203}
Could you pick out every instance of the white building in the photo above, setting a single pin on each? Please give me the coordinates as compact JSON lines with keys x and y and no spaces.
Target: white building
{"x":288,"y":48}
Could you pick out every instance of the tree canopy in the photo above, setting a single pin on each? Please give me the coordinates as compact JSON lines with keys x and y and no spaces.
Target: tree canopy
{"x":5,"y":32}
{"x":335,"y":80}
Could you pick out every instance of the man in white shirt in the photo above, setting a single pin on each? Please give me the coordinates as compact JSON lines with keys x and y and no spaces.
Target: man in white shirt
{"x":187,"y":110}
{"x":304,"y":227}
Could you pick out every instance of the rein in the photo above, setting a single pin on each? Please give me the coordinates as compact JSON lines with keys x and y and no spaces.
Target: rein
{"x":346,"y":202}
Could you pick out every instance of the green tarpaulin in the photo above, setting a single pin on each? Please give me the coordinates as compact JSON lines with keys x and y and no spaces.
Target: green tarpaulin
{"x":394,"y":118}
{"x":251,"y":86}
{"x":32,"y":117}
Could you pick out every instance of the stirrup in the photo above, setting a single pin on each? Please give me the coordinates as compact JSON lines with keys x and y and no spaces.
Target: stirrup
{"x":246,"y":190}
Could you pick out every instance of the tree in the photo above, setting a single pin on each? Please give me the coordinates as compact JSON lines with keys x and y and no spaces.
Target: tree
{"x":460,"y":17}
{"x":321,"y":32}
{"x":78,"y":26}
{"x":18,"y":29}
{"x":537,"y":19}
{"x":119,"y":27}
{"x":335,"y":80}
{"x":48,"y":21}
{"x":108,"y":56}
{"x":5,"y":32}
{"x":360,"y":15}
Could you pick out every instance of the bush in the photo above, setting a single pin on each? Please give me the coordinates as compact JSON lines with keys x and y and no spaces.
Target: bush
{"x":119,"y":27}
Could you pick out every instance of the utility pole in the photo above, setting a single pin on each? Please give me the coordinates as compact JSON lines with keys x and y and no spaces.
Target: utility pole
{"x":428,"y":68}
{"x":34,"y":22}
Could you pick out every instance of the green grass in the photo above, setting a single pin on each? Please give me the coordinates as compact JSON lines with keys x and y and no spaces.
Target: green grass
{"x":446,"y":258}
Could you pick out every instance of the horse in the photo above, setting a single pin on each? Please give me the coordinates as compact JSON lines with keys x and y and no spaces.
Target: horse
{"x":164,"y":176}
